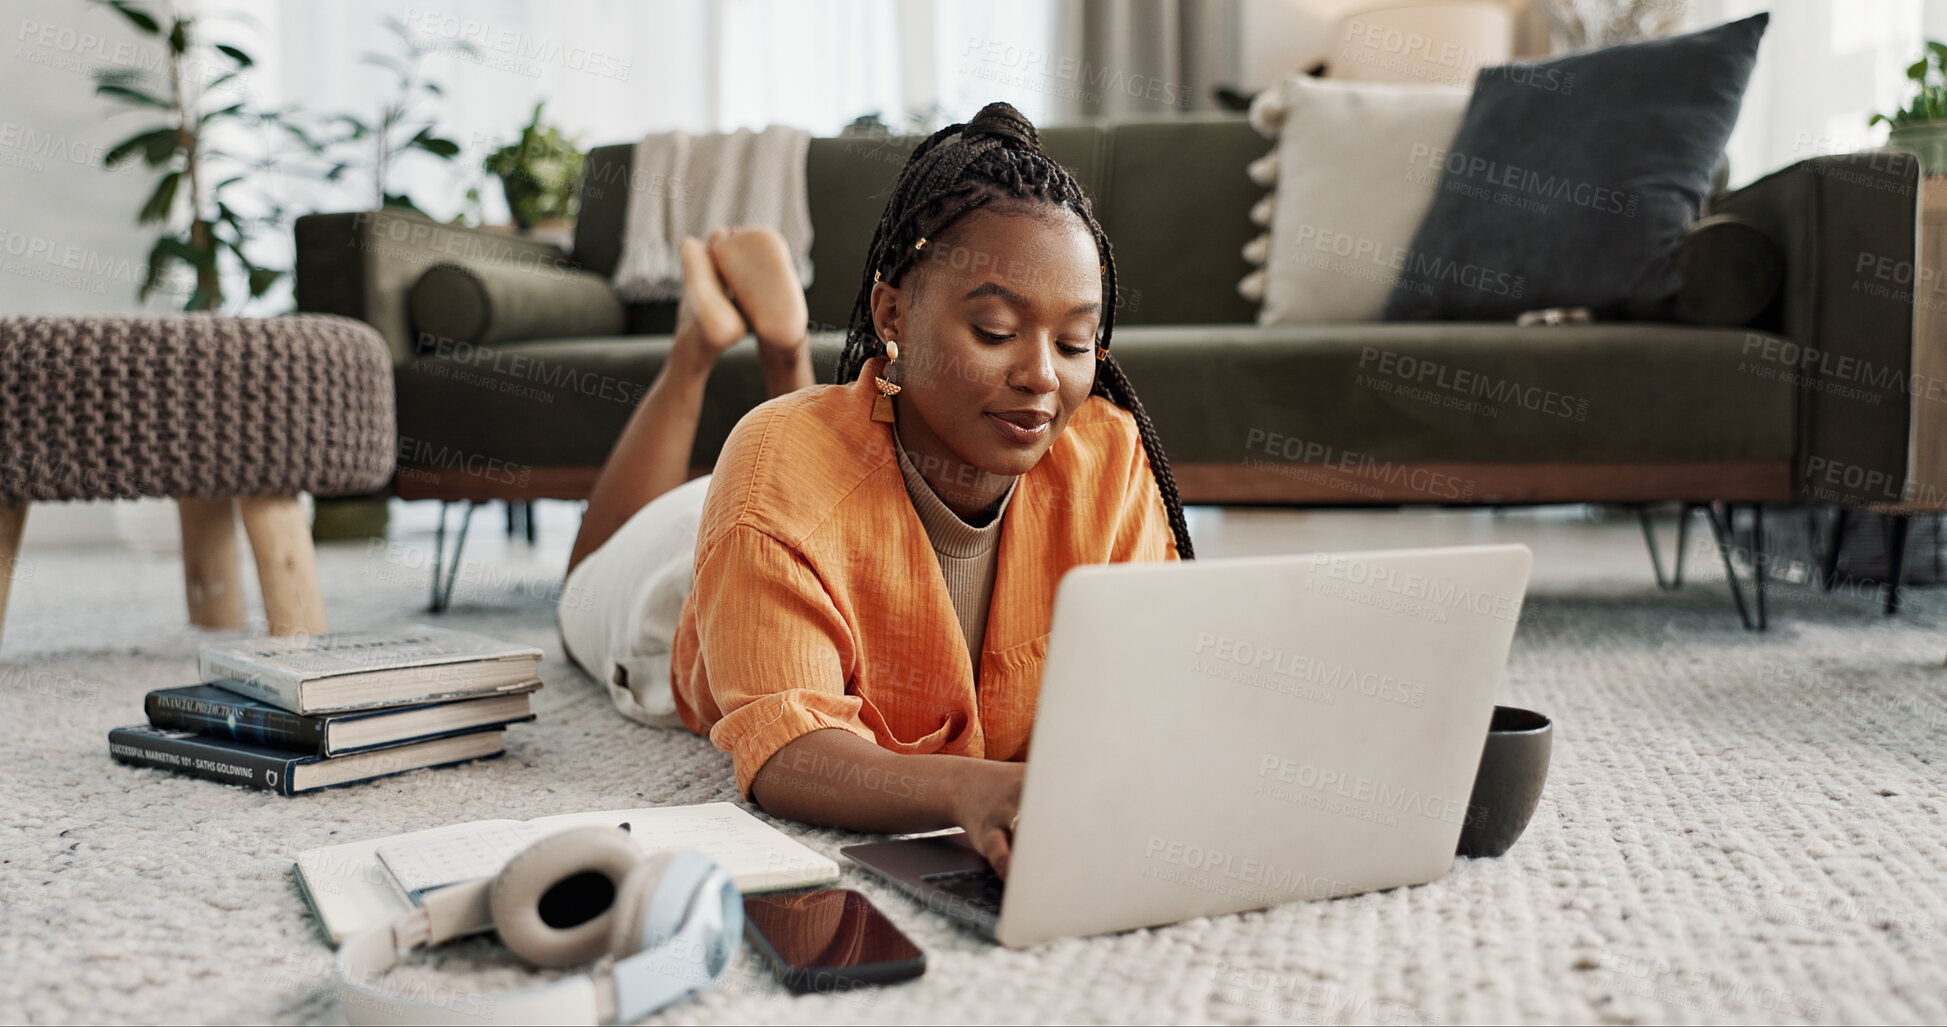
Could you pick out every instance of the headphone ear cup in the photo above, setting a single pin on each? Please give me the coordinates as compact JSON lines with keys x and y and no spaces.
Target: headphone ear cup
{"x":632,"y":903}
{"x":554,"y":902}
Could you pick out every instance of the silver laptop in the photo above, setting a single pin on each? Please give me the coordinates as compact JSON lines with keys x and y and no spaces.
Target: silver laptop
{"x":1216,"y":736}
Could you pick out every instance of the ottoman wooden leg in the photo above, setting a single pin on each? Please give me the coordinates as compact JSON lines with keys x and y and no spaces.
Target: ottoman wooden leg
{"x":212,"y":570}
{"x":287,"y":568}
{"x":13,"y":520}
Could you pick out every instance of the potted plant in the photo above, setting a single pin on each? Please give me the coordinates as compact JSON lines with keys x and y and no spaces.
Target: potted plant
{"x":1921,"y":126}
{"x":405,"y":123}
{"x":200,"y":221}
{"x":541,"y":175}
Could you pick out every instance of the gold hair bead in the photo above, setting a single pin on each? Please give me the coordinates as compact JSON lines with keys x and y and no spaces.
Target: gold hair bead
{"x":921,"y":244}
{"x":1101,"y":352}
{"x":875,"y":275}
{"x":1105,"y":270}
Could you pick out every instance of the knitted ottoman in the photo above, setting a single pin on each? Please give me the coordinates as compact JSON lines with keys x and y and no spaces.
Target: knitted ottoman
{"x":223,"y":414}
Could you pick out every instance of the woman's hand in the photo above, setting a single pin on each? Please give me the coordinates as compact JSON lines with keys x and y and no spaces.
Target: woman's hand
{"x":987,"y":798}
{"x":835,"y":777}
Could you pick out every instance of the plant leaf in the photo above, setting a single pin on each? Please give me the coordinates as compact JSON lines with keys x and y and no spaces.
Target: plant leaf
{"x":161,"y":202}
{"x":243,"y":59}
{"x":137,"y":17}
{"x":402,"y":201}
{"x":180,"y":249}
{"x":133,"y":96}
{"x":179,"y":36}
{"x":224,"y":113}
{"x":120,"y":76}
{"x":385,"y":62}
{"x":444,"y":148}
{"x":152,"y":276}
{"x":157,"y":145}
{"x":261,"y":279}
{"x":203,"y":299}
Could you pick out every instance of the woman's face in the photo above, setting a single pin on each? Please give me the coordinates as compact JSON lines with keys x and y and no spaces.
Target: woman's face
{"x":996,"y":329}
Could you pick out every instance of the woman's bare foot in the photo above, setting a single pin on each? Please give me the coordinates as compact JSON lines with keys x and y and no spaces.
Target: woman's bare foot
{"x":707,"y":323}
{"x":758,"y":275}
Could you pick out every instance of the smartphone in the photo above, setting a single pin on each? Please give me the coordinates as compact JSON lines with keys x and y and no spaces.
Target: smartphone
{"x":829,"y":940}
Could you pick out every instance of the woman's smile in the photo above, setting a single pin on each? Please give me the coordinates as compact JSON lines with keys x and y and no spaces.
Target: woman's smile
{"x":1022,"y":427}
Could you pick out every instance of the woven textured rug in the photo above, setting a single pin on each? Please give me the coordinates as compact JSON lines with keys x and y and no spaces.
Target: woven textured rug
{"x":1737,"y":827}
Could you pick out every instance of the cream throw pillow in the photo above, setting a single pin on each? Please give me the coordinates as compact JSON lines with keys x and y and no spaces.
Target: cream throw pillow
{"x":1356,"y":166}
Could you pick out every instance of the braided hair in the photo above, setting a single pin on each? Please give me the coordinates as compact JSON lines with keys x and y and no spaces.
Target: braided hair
{"x":997,"y":156}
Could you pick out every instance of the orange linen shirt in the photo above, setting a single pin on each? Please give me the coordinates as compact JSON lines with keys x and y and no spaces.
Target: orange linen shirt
{"x":818,"y":601}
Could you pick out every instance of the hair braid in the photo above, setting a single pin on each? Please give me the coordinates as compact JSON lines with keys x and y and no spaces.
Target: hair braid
{"x":959,"y":169}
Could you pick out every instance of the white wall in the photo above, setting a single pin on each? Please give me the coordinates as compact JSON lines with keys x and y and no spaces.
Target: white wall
{"x":68,"y":239}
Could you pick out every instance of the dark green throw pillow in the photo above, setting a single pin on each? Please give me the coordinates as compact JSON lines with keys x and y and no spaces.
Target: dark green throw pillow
{"x":1572,"y":180}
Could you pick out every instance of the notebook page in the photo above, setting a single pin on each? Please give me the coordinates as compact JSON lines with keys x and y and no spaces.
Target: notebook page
{"x":758,"y":856}
{"x":419,"y":865}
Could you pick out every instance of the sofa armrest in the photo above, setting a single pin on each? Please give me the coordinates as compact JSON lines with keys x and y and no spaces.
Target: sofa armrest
{"x":1846,"y":224}
{"x":364,"y":265}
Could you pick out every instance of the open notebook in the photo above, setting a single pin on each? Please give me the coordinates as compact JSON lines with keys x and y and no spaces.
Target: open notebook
{"x":354,"y":885}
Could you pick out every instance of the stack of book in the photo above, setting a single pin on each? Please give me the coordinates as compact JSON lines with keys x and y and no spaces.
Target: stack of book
{"x":296,"y":714}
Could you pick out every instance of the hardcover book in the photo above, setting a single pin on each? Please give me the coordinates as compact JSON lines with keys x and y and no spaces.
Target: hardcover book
{"x":222,"y":712}
{"x":283,"y":771}
{"x":370,"y":670}
{"x":353,"y":885}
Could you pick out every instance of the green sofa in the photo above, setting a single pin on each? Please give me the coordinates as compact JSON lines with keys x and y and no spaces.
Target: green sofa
{"x":1809,"y":400}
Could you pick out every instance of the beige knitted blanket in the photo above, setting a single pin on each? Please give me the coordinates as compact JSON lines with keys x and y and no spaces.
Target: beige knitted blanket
{"x":684,"y":185}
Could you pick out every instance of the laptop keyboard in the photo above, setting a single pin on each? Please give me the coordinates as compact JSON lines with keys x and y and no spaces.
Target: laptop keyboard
{"x":979,"y":888}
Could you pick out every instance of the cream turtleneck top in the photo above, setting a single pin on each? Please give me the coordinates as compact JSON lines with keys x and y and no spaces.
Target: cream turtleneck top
{"x":969,"y":554}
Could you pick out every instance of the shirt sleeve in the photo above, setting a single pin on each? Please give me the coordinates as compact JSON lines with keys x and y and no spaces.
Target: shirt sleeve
{"x":773,"y":649}
{"x":1143,"y":532}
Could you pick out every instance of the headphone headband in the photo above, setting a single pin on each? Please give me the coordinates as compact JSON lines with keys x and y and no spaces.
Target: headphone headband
{"x":698,"y":896}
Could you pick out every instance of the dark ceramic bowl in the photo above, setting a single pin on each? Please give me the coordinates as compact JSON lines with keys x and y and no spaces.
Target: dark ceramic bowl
{"x":1514,"y":764}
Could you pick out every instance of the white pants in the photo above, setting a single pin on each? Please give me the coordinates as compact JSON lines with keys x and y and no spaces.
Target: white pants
{"x":620,"y":605}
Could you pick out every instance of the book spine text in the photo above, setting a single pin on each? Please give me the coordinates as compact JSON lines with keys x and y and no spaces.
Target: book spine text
{"x":243,"y":721}
{"x":196,"y":759}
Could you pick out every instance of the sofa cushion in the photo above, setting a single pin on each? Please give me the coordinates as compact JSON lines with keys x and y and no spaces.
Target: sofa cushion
{"x":1730,"y":272}
{"x":453,"y":303}
{"x":1571,"y":180}
{"x":1453,"y":391}
{"x":1355,"y":174}
{"x":1218,"y":394}
{"x":509,"y":409}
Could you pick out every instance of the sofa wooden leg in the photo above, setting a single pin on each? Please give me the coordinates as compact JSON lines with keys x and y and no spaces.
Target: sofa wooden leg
{"x":13,"y":520}
{"x":212,"y":567}
{"x":287,"y":567}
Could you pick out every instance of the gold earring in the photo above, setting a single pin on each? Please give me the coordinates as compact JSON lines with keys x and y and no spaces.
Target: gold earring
{"x":882,"y":406}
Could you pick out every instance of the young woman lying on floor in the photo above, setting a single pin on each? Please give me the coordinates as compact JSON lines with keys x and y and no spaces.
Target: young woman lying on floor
{"x":855,"y":604}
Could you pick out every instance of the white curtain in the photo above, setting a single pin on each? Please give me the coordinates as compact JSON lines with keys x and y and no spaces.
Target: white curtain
{"x":614,"y":70}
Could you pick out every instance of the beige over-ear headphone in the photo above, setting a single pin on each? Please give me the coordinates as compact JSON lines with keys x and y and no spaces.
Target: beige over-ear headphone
{"x":670,"y":920}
